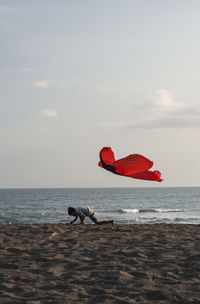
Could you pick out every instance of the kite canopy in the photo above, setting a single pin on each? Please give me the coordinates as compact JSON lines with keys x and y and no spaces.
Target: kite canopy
{"x":134,"y":165}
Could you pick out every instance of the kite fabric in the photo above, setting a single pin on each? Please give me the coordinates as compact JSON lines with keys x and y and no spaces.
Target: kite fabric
{"x":134,"y":165}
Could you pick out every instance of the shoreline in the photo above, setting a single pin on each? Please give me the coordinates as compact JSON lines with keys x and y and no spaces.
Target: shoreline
{"x":124,"y":263}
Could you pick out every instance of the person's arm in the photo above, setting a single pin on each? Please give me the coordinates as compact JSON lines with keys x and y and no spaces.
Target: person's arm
{"x":74,"y":219}
{"x":82,"y":217}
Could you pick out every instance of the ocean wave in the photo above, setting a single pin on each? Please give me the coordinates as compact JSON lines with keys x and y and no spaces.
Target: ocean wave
{"x":169,"y":210}
{"x":149,"y":210}
{"x":129,"y":210}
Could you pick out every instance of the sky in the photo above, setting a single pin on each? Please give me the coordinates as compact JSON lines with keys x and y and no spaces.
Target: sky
{"x":80,"y":75}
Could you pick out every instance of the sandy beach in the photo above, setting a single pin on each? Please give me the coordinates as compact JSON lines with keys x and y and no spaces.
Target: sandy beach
{"x":58,"y":263}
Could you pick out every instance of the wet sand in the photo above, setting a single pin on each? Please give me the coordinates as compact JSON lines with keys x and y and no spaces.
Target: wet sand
{"x":99,"y":264}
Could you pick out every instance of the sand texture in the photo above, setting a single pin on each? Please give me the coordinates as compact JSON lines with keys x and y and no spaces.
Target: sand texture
{"x":99,"y":264}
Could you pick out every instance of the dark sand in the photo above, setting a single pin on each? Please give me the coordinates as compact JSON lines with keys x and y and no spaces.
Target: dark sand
{"x":93,"y":264}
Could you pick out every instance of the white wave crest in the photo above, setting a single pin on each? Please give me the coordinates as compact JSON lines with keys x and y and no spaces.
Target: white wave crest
{"x":130,"y":210}
{"x":169,"y":210}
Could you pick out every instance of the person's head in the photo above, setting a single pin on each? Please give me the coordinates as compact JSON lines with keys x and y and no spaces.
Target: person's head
{"x":71,"y":211}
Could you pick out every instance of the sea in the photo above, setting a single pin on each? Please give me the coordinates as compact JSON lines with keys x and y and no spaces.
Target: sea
{"x":124,"y":205}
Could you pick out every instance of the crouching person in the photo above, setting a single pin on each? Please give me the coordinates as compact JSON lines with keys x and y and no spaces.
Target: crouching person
{"x":84,"y":211}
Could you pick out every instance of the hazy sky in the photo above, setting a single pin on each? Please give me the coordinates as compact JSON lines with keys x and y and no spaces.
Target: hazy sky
{"x":78,"y":75}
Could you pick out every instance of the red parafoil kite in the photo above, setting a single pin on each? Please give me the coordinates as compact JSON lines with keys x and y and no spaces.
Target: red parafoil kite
{"x":134,"y":165}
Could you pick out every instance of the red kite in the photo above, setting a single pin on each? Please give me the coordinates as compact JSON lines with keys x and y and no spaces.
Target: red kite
{"x":134,"y":165}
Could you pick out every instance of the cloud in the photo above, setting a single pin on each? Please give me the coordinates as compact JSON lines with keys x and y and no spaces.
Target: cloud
{"x":161,"y":111}
{"x":168,"y":123}
{"x":54,"y":83}
{"x":164,"y":100}
{"x":161,"y":101}
{"x":48,"y":113}
{"x":75,"y":80}
{"x":43,"y":83}
{"x":78,"y":84}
